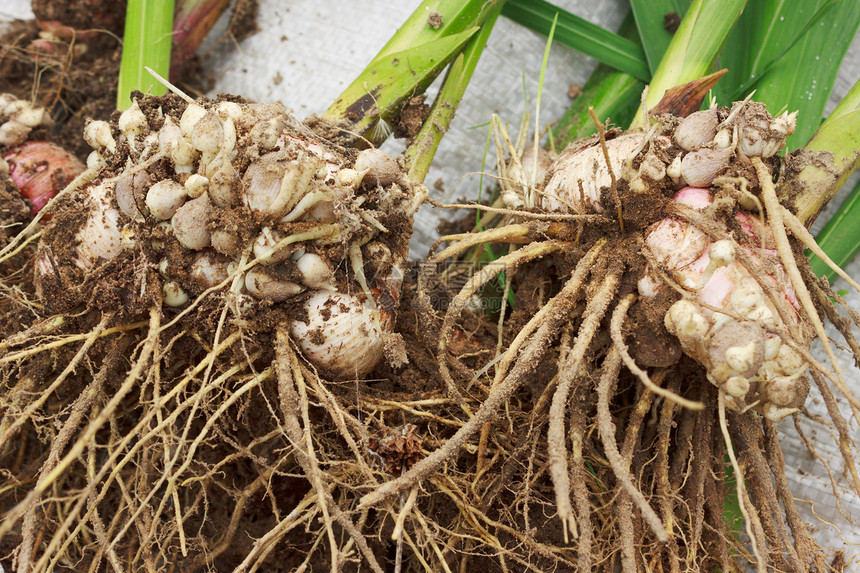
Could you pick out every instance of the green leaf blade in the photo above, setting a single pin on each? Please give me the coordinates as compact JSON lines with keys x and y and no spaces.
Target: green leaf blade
{"x":605,"y":46}
{"x":694,"y":47}
{"x":840,"y":238}
{"x":650,"y":20}
{"x":429,"y":39}
{"x":614,"y":95}
{"x":378,"y":91}
{"x":421,"y":151}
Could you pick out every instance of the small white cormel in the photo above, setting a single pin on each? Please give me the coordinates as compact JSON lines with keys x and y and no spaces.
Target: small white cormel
{"x":742,"y":358}
{"x":98,"y":135}
{"x":264,"y":286}
{"x":789,"y":361}
{"x":173,"y":295}
{"x":700,"y":168}
{"x":13,"y":133}
{"x":350,"y":177}
{"x":190,"y":221}
{"x":132,"y":123}
{"x":30,"y":116}
{"x":696,"y":130}
{"x":168,"y":136}
{"x":652,"y":168}
{"x":674,"y":169}
{"x":207,"y":134}
{"x":686,"y":322}
{"x":99,"y":238}
{"x":95,"y":161}
{"x":207,"y":270}
{"x":224,"y":185}
{"x":184,"y":156}
{"x":737,"y":386}
{"x":340,"y":334}
{"x":225,"y":242}
{"x":192,"y":114}
{"x":381,"y":168}
{"x":722,"y":252}
{"x":315,"y":271}
{"x":196,"y":185}
{"x":164,"y":198}
{"x":265,"y":247}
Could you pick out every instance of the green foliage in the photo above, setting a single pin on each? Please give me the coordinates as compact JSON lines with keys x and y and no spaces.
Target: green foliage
{"x":840,"y":238}
{"x":420,"y":152}
{"x":606,"y":47}
{"x":146,"y":42}
{"x":614,"y":96}
{"x":694,"y":48}
{"x":428,"y":41}
{"x":651,"y":21}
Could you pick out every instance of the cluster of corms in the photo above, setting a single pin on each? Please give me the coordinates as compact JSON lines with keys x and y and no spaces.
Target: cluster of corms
{"x":220,"y":195}
{"x":725,"y":320}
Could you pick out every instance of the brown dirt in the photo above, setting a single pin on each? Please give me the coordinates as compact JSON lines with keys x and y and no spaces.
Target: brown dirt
{"x":14,"y":209}
{"x":411,"y":117}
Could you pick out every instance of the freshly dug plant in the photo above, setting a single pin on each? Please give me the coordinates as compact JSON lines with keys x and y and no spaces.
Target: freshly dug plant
{"x":196,"y":285}
{"x":236,"y":229}
{"x":666,"y":252}
{"x":32,"y":169}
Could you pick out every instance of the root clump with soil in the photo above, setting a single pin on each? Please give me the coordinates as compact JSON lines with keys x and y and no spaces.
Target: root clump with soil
{"x":663,"y":331}
{"x":211,"y":249}
{"x":168,"y":399}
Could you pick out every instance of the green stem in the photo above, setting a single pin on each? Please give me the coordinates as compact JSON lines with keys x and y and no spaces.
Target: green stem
{"x":420,"y":152}
{"x":607,"y":47}
{"x":146,"y":42}
{"x":431,"y":38}
{"x":693,"y":49}
{"x":820,"y":178}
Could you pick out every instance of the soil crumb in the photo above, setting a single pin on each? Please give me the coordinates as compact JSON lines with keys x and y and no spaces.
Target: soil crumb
{"x":435,"y":20}
{"x":671,"y":21}
{"x":412,"y":117}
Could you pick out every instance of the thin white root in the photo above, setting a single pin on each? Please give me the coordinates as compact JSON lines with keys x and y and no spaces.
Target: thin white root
{"x":618,"y":316}
{"x":556,"y":442}
{"x":78,"y":447}
{"x":293,"y":400}
{"x":575,"y":282}
{"x":89,"y":340}
{"x":404,"y":511}
{"x":804,"y":236}
{"x":465,"y":241}
{"x":774,"y":213}
{"x":611,"y":367}
{"x":614,"y":185}
{"x":479,"y":279}
{"x":560,"y":308}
